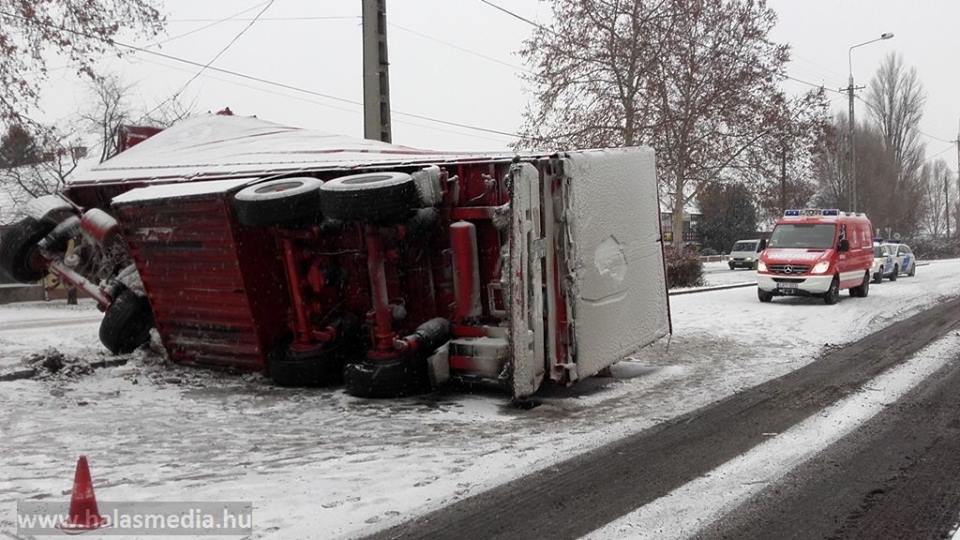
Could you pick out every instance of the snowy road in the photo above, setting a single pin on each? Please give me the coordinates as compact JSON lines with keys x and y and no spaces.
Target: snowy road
{"x":318,"y":460}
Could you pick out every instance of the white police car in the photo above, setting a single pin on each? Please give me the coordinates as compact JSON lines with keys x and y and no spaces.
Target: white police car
{"x":904,"y":260}
{"x":884,"y":263}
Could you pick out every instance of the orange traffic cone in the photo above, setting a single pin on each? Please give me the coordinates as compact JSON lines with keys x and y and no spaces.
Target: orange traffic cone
{"x":84,"y":514}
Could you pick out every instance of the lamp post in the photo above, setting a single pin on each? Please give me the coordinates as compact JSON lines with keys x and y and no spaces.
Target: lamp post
{"x":850,"y":90}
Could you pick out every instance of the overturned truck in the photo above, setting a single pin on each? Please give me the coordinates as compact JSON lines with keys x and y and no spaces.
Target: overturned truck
{"x":318,"y":258}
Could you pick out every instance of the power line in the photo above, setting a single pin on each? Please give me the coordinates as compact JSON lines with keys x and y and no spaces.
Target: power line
{"x":925,"y":134}
{"x":215,"y":22}
{"x":311,"y":101}
{"x":944,"y":150}
{"x":319,"y":18}
{"x":459,"y":48}
{"x":517,"y":16}
{"x":224,"y":49}
{"x":542,"y":27}
{"x":265,"y":81}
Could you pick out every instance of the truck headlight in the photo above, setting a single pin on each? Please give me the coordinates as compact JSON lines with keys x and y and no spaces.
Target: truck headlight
{"x":761,"y":266}
{"x":820,"y":267}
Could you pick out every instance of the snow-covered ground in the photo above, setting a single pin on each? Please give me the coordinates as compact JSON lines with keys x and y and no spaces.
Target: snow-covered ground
{"x":318,"y":462}
{"x":718,"y":273}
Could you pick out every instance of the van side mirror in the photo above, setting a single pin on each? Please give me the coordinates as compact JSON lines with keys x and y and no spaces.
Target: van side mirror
{"x":844,"y":245}
{"x":763,"y":244}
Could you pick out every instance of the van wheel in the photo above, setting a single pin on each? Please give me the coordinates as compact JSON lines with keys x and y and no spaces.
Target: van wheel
{"x":878,"y":277}
{"x":764,"y":296}
{"x":832,"y":296}
{"x":19,"y":254}
{"x":896,"y":272}
{"x":863,"y":289}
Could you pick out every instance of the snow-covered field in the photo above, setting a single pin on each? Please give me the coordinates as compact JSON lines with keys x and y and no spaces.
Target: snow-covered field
{"x":320,"y":463}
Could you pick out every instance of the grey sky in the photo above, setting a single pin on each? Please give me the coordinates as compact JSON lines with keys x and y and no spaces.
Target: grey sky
{"x":434,"y":79}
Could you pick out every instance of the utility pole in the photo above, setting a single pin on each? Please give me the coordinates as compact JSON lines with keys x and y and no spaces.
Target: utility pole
{"x":376,"y":74}
{"x":851,"y":89}
{"x":852,"y":148}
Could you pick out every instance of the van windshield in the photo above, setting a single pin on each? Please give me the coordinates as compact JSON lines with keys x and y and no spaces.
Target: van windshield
{"x":797,"y":235}
{"x":744,"y":246}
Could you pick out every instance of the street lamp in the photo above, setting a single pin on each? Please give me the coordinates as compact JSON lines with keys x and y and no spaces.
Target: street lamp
{"x":850,"y":90}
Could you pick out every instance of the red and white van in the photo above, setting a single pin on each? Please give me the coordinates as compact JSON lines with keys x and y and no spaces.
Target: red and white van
{"x":814,"y":252}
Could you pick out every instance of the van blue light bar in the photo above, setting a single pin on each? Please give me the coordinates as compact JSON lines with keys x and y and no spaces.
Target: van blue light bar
{"x":811,"y":212}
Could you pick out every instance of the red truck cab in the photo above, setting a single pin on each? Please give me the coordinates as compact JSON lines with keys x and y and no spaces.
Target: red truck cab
{"x":814,"y":252}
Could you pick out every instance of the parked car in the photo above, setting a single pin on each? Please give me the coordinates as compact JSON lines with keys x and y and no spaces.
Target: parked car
{"x":883,"y":263}
{"x":814,"y":252}
{"x":745,"y":254}
{"x":905,"y":260}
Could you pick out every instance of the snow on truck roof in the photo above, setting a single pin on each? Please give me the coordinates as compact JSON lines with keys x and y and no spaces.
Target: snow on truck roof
{"x":213,"y":146}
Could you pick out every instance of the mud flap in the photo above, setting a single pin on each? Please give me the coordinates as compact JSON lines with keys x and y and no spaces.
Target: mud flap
{"x":525,"y":281}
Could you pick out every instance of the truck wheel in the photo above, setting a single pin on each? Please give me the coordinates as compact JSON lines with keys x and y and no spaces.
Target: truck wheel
{"x":19,"y":255}
{"x":832,"y":296}
{"x":126,"y":324}
{"x":764,"y":296}
{"x":385,"y":378}
{"x":878,"y":277}
{"x":895,"y":274}
{"x":287,"y":370}
{"x":862,"y":290}
{"x":382,"y":197}
{"x":285,"y":201}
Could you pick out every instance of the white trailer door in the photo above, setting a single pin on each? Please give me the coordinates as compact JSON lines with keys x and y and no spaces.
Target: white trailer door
{"x":615,"y":257}
{"x":526,"y":281}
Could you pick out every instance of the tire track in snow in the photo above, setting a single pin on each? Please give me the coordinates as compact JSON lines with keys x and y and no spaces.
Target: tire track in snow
{"x":586,"y":492}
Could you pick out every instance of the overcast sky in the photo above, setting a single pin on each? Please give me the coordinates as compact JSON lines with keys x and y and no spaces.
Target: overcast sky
{"x":433,"y":74}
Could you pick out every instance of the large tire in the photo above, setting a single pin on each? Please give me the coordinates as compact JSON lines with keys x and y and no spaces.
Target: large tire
{"x":832,"y":296}
{"x":19,"y":254}
{"x":386,"y":378}
{"x":386,"y":197}
{"x":764,"y":296}
{"x":896,"y":273}
{"x":126,"y":324}
{"x":285,"y":201}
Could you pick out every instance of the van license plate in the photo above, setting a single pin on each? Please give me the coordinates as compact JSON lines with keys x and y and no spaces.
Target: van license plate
{"x":787,"y":286}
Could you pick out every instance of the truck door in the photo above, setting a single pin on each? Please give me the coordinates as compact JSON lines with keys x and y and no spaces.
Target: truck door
{"x":615,"y":270}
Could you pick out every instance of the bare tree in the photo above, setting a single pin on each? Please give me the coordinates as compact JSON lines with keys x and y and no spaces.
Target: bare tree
{"x":79,"y":30}
{"x":933,"y":177}
{"x":110,"y":109}
{"x":780,"y":166}
{"x":58,"y":152}
{"x":695,"y":79}
{"x":896,"y":100}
